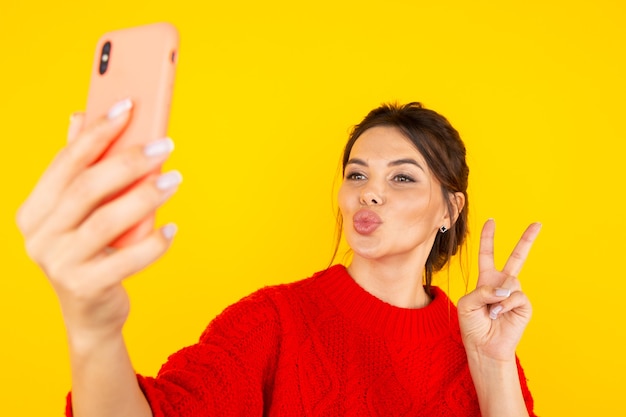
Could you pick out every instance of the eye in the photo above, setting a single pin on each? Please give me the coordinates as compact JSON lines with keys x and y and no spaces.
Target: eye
{"x":355,"y":176}
{"x":403,"y":178}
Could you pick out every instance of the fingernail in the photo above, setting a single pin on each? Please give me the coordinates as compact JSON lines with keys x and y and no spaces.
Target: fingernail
{"x":502,"y":292}
{"x":119,"y":108}
{"x":169,"y":230}
{"x":159,"y":147}
{"x":169,"y":180}
{"x":493,"y":314}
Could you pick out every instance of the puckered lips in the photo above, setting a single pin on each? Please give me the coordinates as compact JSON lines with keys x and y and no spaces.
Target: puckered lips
{"x":366,"y":221}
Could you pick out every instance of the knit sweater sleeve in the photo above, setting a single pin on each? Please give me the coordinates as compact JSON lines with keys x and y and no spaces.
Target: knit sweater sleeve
{"x":528,"y":398}
{"x":227,"y":373}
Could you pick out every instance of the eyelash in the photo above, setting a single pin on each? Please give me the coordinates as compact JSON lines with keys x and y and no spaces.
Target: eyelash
{"x":352,"y":176}
{"x":403,"y":178}
{"x":356,"y":176}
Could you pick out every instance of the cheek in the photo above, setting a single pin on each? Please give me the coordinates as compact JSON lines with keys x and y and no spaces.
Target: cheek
{"x":419,"y":211}
{"x":342,"y":199}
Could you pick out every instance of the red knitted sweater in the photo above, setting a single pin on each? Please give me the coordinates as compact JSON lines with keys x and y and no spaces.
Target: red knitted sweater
{"x":321,"y":347}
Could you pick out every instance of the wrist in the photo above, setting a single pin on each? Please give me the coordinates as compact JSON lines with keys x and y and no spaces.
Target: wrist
{"x":488,"y":372}
{"x":82,"y":343}
{"x":497,"y":385}
{"x":482,"y":359}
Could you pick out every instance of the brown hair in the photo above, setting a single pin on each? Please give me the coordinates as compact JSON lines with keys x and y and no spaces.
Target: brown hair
{"x":442,"y":148}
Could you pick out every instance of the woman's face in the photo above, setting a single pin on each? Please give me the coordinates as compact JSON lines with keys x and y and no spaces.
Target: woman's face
{"x":391,"y":203}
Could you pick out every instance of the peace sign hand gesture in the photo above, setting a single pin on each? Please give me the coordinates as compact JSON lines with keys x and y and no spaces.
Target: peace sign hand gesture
{"x":493,"y":316}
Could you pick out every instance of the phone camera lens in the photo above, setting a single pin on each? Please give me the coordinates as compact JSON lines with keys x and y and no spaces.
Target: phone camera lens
{"x":105,"y":57}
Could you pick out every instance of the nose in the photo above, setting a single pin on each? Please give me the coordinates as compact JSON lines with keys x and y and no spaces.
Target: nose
{"x":370,"y":197}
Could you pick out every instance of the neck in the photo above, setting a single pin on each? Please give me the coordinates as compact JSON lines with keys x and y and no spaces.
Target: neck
{"x":397,"y":284}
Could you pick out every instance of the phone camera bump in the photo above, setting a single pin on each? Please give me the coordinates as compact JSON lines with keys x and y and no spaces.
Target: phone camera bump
{"x":105,"y":57}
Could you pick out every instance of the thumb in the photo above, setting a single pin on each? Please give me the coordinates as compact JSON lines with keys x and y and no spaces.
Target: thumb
{"x":481,"y":297}
{"x":77,"y":120}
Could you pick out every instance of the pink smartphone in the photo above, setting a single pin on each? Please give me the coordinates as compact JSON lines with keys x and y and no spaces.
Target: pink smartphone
{"x":137,"y":63}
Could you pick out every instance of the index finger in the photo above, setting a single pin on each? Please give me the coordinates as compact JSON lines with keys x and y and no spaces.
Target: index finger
{"x":517,"y":258}
{"x":485,"y":254}
{"x":77,"y":121}
{"x":75,"y":157}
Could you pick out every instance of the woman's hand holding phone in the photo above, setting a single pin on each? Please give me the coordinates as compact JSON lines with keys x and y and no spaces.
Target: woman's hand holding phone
{"x":75,"y":211}
{"x":89,"y":221}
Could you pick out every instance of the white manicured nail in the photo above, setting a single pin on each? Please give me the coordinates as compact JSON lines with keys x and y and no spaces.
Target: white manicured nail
{"x":169,"y":230}
{"x":119,"y":108}
{"x":169,"y":180}
{"x":493,"y":314}
{"x":159,"y":147}
{"x":502,"y":292}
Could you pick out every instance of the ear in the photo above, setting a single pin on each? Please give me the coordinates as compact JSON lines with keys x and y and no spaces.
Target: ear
{"x":457,"y":202}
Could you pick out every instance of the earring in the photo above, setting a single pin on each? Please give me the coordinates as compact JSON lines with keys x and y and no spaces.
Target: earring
{"x":443,"y":229}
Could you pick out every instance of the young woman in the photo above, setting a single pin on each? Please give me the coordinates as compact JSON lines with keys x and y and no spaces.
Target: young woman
{"x":370,"y":338}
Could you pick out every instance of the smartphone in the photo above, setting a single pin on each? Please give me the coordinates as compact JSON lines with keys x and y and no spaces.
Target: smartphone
{"x":137,"y":63}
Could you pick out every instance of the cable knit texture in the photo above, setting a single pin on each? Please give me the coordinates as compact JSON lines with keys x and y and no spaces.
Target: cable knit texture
{"x":322,"y":346}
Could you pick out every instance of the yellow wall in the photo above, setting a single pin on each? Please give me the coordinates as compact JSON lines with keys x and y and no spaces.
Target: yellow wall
{"x":265,"y":96}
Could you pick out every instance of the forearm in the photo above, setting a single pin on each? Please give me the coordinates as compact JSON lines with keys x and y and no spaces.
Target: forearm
{"x":498,"y":387}
{"x":104,"y":383}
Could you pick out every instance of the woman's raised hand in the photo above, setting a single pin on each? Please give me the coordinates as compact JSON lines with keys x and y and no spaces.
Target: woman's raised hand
{"x":71,"y":217}
{"x":493,"y":316}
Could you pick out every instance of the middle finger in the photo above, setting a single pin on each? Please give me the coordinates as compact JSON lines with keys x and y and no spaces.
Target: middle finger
{"x":104,"y":179}
{"x":517,"y":258}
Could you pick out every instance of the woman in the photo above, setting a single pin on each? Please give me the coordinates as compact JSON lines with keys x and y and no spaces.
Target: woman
{"x":374,"y":338}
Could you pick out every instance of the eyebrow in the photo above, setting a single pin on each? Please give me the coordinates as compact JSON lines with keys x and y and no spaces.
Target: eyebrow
{"x":397,"y":162}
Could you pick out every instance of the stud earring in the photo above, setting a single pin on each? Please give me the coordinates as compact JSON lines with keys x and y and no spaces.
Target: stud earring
{"x":443,"y":229}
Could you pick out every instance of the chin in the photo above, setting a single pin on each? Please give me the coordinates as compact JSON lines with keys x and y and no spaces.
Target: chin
{"x":366,"y":252}
{"x":371,"y":256}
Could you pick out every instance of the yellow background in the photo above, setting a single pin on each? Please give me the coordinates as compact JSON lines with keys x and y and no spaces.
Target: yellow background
{"x":265,"y":95}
